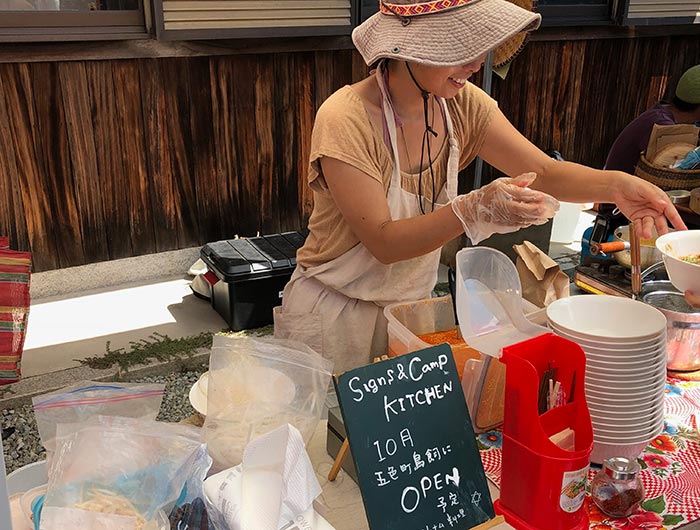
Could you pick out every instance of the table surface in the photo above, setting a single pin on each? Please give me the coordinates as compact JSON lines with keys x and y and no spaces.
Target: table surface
{"x":342,"y":499}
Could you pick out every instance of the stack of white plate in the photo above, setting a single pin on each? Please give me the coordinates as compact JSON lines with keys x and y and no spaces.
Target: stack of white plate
{"x":625,"y":345}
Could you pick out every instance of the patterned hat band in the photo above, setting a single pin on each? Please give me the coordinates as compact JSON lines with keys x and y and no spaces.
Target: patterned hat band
{"x":424,"y":8}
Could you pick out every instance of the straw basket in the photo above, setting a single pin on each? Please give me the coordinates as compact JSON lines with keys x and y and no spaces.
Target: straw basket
{"x":667,"y":178}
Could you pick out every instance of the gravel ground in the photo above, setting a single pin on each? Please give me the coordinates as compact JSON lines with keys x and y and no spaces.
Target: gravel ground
{"x":23,"y":446}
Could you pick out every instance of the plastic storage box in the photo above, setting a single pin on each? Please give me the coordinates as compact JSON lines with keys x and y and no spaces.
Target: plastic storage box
{"x":252,"y":273}
{"x":483,"y":377}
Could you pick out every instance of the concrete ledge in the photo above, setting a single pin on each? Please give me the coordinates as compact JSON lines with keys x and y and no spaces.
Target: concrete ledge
{"x":22,"y":392}
{"x":121,"y":272}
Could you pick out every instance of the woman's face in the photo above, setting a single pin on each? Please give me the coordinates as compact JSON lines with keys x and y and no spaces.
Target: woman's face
{"x":445,"y":81}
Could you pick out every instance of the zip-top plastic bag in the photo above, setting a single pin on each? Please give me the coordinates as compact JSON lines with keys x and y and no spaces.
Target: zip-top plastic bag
{"x":115,"y":473}
{"x":256,"y":385}
{"x":79,"y":402}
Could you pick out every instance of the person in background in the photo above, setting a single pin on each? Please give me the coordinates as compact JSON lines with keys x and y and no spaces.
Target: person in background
{"x":385,"y":154}
{"x":633,"y":140}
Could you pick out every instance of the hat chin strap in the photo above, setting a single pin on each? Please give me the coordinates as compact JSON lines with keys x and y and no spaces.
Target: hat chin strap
{"x":425,"y":95}
{"x":425,"y":144}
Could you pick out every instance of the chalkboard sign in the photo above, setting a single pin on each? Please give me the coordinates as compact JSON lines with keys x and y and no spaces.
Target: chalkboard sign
{"x":412,"y":441}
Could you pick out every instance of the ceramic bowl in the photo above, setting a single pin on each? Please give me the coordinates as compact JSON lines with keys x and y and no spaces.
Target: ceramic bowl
{"x":603,"y":450}
{"x":604,"y":337}
{"x":685,"y":276}
{"x":621,"y":347}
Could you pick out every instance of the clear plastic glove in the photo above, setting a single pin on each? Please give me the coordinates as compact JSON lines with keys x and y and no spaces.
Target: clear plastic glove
{"x":505,"y":205}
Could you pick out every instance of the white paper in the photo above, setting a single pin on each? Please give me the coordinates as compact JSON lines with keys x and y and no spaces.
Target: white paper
{"x":274,"y":485}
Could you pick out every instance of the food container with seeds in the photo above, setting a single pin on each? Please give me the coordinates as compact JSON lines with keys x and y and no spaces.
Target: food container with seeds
{"x":617,"y":489}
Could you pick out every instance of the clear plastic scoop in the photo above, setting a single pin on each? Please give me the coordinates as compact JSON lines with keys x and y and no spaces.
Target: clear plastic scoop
{"x":489,"y":301}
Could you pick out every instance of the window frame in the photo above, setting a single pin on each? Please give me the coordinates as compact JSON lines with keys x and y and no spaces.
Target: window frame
{"x":42,"y":26}
{"x":246,"y":33}
{"x":573,"y":14}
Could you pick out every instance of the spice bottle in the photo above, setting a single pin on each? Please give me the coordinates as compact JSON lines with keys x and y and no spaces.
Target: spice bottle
{"x":617,"y":489}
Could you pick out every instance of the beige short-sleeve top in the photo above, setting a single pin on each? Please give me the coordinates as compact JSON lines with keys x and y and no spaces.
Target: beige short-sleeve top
{"x":342,"y":130}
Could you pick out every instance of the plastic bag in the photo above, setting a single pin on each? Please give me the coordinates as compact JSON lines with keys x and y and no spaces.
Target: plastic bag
{"x":120,"y":473}
{"x":79,"y":402}
{"x":257,"y":385}
{"x":190,"y":511}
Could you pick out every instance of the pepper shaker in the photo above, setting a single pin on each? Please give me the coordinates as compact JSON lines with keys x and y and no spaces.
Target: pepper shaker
{"x":617,"y":489}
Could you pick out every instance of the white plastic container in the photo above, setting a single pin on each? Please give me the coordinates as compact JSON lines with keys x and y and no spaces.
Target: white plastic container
{"x":408,"y":320}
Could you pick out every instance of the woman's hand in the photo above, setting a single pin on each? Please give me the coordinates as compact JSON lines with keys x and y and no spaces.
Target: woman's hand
{"x":692,"y":298}
{"x":644,"y":204}
{"x":505,"y":205}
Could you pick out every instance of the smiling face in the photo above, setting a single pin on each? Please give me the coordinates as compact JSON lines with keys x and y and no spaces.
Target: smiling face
{"x":445,"y":81}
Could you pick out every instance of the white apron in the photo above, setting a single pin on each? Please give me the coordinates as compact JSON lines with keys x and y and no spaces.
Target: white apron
{"x":337,"y":308}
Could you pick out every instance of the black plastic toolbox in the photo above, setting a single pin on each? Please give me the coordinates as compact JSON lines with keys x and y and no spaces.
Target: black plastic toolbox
{"x":252,"y":273}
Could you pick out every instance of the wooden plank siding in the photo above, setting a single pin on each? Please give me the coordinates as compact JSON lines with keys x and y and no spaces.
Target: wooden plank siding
{"x":105,"y":159}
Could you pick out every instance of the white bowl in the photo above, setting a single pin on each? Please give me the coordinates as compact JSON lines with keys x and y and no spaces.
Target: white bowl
{"x":603,"y":450}
{"x":198,"y":394}
{"x":629,"y":433}
{"x":623,"y":394}
{"x":653,"y":367}
{"x":642,"y":400}
{"x":641,"y":406}
{"x":650,"y":434}
{"x":626,"y":383}
{"x":632,"y":421}
{"x":633,"y":362}
{"x":624,"y":415}
{"x":585,"y":340}
{"x":685,"y":276}
{"x":610,"y":318}
{"x":644,"y":426}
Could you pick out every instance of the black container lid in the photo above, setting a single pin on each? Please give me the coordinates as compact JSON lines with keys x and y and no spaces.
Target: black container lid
{"x":284,"y":246}
{"x":275,"y":257}
{"x":235,"y":259}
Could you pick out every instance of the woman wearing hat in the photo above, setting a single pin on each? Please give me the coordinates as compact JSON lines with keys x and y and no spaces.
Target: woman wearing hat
{"x":385,"y":153}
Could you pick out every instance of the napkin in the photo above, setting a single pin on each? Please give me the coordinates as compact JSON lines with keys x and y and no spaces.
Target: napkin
{"x":273,"y":486}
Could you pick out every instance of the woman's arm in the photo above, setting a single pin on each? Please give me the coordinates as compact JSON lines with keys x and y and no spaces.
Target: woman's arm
{"x":362,"y":201}
{"x":643,"y":203}
{"x":504,"y":205}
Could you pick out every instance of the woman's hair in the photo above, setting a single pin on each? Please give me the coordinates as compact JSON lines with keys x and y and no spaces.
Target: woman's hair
{"x":684,"y":106}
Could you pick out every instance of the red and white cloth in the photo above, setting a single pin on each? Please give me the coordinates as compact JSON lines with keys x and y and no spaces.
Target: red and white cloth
{"x":670,"y":467}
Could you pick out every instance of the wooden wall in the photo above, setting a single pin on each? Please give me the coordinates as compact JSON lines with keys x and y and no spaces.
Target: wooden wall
{"x":577,"y":96}
{"x":105,"y":159}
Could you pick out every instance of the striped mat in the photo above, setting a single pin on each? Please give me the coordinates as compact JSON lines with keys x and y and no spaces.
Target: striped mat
{"x":15,"y":270}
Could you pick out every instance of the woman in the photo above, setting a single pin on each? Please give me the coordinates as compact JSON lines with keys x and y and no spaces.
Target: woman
{"x":385,"y":156}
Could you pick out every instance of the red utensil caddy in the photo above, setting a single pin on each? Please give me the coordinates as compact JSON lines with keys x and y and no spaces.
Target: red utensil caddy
{"x":543,"y":485}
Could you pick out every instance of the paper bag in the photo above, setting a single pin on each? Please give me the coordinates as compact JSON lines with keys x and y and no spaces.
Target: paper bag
{"x":541,"y":278}
{"x":664,"y":135}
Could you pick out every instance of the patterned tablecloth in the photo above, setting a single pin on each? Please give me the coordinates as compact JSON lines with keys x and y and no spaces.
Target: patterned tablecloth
{"x":670,"y":467}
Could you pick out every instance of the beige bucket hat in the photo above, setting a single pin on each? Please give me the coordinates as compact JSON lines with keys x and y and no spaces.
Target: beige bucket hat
{"x":445,"y":32}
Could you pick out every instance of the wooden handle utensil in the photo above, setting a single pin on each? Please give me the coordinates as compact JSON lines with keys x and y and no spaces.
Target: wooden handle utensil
{"x":636,"y":262}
